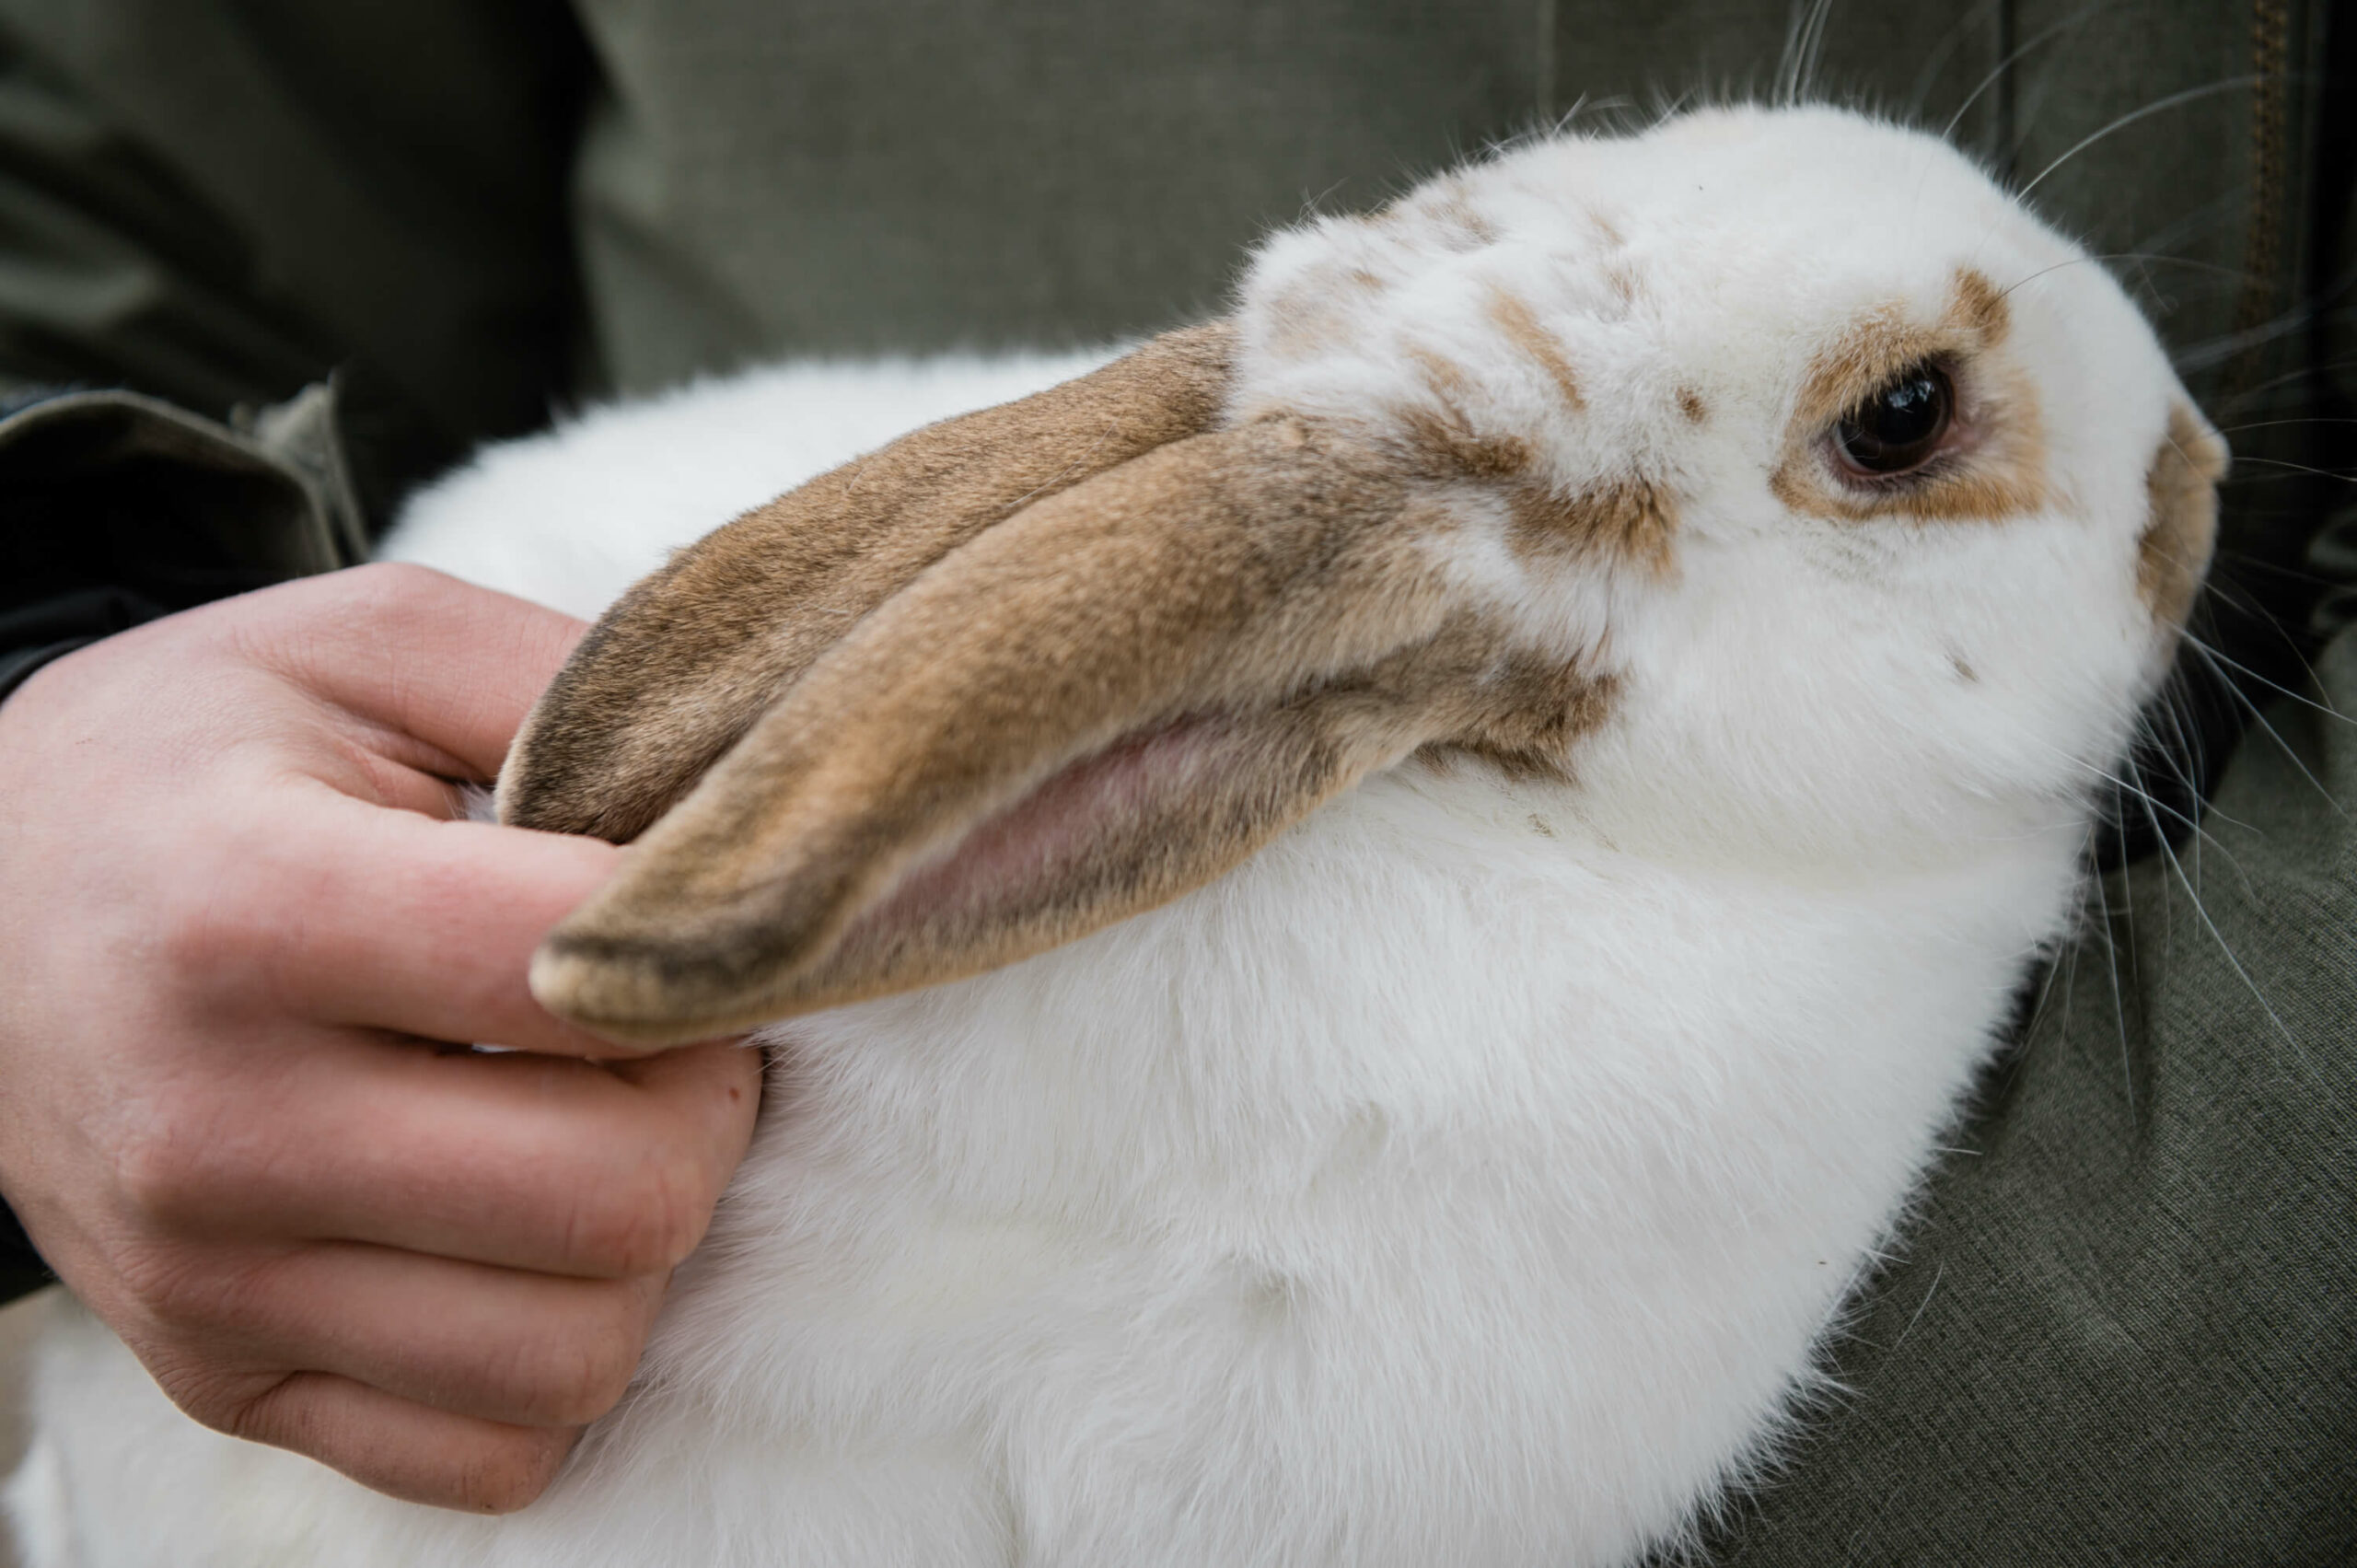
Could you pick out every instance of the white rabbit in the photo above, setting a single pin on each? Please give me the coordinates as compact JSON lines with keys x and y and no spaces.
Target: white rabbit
{"x":1379,"y":907}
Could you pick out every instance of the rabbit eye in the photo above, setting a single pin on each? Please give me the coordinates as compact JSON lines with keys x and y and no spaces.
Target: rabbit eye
{"x":1900,"y":426}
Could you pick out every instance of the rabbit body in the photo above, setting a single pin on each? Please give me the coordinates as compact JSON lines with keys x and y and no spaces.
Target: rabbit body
{"x":1227,"y":1236}
{"x":1468,"y":1176}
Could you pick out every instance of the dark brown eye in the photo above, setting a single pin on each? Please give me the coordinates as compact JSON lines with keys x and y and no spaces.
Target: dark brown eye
{"x":1900,"y":427}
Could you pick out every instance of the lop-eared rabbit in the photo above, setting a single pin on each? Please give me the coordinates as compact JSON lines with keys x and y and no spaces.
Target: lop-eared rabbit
{"x":1364,"y":917}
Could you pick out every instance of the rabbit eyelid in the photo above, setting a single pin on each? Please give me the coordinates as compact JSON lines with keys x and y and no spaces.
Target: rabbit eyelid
{"x":1080,"y":710}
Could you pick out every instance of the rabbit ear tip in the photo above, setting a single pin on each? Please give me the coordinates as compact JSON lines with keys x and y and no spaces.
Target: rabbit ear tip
{"x":612,"y":990}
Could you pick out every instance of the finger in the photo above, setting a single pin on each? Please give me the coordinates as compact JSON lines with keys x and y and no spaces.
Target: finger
{"x":398,"y":921}
{"x":521,"y":1161}
{"x":403,"y":774}
{"x":454,"y":665}
{"x":495,"y":1344}
{"x":403,"y":1448}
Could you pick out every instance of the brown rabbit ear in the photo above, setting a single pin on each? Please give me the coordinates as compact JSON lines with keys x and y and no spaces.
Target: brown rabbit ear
{"x":1103,"y":701}
{"x":673,"y":673}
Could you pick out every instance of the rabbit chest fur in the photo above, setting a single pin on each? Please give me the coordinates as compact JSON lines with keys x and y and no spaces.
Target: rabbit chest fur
{"x":1463,"y":1168}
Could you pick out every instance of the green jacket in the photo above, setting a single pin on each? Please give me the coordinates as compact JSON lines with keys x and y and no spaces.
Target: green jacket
{"x":2123,"y":1326}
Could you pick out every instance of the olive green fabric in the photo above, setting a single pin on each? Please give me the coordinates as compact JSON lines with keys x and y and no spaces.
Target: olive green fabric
{"x":2120,"y":1331}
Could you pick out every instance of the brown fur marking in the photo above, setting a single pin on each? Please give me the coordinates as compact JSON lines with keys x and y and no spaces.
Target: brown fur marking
{"x":1447,"y":378}
{"x":1443,"y":446}
{"x":1520,"y":324}
{"x":2182,"y":490}
{"x":1462,"y":227}
{"x":1311,"y":318}
{"x":1981,"y":305}
{"x":1691,"y":404}
{"x":1634,"y":522}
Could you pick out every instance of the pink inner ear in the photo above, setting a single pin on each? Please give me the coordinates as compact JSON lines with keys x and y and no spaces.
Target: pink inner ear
{"x":1069,"y":839}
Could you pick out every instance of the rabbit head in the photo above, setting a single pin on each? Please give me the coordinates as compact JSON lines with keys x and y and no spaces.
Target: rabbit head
{"x":1769,"y":486}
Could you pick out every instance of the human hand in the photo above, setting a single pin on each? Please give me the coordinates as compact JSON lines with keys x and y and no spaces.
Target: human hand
{"x":237,"y":916}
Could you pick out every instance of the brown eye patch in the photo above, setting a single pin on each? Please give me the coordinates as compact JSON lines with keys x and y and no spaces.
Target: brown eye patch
{"x":1889,"y":394}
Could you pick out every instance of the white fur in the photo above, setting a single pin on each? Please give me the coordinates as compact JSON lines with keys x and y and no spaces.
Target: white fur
{"x":1468,"y":1177}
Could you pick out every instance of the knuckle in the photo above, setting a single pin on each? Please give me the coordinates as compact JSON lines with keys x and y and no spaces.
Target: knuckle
{"x":648,"y":1221}
{"x":169,"y":1170}
{"x":214,"y":1400}
{"x":201,"y":927}
{"x":184,"y":1291}
{"x":223,"y":909}
{"x":678,"y":1203}
{"x":573,"y":1381}
{"x":390,"y":587}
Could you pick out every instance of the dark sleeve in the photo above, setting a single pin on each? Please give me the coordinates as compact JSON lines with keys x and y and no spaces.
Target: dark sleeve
{"x":262,"y":265}
{"x":21,"y":1270}
{"x":217,"y":203}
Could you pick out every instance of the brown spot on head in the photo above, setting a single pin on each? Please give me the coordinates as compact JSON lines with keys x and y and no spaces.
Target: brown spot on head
{"x":1633,"y":521}
{"x":1462,"y":227}
{"x":1963,"y":668}
{"x":1520,"y":324}
{"x":1310,"y":318}
{"x":1443,"y":446}
{"x":1447,"y":378}
{"x":1691,"y":404}
{"x":1442,"y":211}
{"x":1979,"y":304}
{"x":2182,"y":495}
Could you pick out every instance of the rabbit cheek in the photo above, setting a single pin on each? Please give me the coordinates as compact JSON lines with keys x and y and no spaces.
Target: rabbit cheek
{"x":2182,"y":518}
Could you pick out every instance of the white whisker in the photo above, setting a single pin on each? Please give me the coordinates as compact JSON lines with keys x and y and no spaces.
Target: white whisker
{"x":1947,"y":132}
{"x":2227,"y":951}
{"x":2215,"y":654}
{"x":2260,"y":719}
{"x":2119,"y":1002}
{"x":2159,"y":106}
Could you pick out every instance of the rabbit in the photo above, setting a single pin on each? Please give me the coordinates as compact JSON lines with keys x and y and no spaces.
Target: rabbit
{"x":1364,"y":917}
